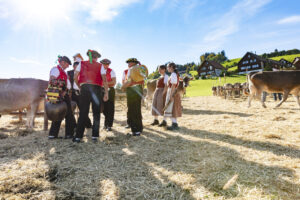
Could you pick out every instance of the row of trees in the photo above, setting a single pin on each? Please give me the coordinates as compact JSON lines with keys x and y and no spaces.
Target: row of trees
{"x":280,"y":53}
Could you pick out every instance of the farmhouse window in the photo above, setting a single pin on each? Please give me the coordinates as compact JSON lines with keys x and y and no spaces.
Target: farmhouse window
{"x":203,"y":68}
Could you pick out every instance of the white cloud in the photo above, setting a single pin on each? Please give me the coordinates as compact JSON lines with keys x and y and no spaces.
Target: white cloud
{"x":157,"y":4}
{"x":228,"y":24}
{"x":25,"y":61}
{"x":105,"y":10}
{"x":290,"y":20}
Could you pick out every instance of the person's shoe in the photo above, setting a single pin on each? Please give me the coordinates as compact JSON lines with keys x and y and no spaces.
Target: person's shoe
{"x":136,"y":133}
{"x":173,"y":127}
{"x":155,"y":122}
{"x":127,"y":126}
{"x":108,"y":129}
{"x":95,"y":139}
{"x":163,"y":123}
{"x":77,"y":140}
{"x":68,"y":137}
{"x":51,"y":137}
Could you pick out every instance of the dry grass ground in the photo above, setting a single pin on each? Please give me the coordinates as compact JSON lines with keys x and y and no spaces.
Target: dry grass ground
{"x":222,"y":151}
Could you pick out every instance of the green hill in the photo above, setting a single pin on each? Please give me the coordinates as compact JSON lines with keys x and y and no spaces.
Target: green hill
{"x":287,"y":57}
{"x":203,"y":87}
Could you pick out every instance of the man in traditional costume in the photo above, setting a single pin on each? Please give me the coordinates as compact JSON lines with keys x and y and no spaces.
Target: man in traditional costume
{"x":134,"y":91}
{"x":109,"y":106}
{"x":74,"y":87}
{"x":173,"y":107}
{"x":89,"y":76}
{"x":58,"y":73}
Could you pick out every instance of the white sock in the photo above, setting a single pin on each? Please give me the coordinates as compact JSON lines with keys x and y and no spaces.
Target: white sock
{"x":173,"y":120}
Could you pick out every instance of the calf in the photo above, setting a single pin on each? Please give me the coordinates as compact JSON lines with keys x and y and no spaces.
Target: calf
{"x":286,"y":82}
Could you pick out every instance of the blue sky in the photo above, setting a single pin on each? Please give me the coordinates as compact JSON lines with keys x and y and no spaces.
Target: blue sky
{"x":34,"y":32}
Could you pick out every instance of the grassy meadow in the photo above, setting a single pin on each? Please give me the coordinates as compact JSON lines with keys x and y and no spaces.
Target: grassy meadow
{"x":203,"y":87}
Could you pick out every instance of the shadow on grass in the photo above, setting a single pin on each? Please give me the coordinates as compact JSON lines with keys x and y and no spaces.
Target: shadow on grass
{"x":213,"y":112}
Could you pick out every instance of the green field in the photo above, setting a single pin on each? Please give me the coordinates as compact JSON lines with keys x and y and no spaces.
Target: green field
{"x":203,"y":87}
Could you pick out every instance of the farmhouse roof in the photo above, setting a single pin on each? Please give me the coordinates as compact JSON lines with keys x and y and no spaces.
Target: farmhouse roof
{"x":213,"y":63}
{"x":260,"y":59}
{"x":297,"y":59}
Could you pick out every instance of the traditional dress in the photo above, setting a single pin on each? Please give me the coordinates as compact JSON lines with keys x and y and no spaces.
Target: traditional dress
{"x":174,"y":109}
{"x":158,"y":102}
{"x":60,"y":74}
{"x":109,"y":106}
{"x":90,"y":81}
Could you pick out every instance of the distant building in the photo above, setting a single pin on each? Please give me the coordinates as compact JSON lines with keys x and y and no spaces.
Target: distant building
{"x":252,"y":62}
{"x":285,"y":63}
{"x":209,"y":67}
{"x":296,"y":63}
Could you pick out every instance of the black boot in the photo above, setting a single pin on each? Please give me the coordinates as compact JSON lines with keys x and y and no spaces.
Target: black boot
{"x":155,"y":122}
{"x":173,"y":127}
{"x":163,"y":123}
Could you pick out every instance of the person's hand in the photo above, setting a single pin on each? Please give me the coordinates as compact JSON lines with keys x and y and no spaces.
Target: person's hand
{"x":105,"y":98}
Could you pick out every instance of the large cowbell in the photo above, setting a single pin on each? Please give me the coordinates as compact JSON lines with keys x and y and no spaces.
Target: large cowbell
{"x":56,"y":111}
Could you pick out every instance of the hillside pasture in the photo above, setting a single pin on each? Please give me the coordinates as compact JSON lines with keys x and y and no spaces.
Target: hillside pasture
{"x":222,"y":151}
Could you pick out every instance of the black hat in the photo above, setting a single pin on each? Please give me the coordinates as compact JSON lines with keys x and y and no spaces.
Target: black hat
{"x":94,"y":53}
{"x":134,"y":60}
{"x":66,"y":59}
{"x":105,"y":61}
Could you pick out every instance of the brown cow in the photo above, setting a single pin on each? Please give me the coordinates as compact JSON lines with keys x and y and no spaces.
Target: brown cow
{"x":228,"y":90}
{"x":214,"y":90}
{"x":17,"y":94}
{"x":286,"y":82}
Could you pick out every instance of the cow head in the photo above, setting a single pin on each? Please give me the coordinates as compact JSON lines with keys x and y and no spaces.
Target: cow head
{"x":186,"y":80}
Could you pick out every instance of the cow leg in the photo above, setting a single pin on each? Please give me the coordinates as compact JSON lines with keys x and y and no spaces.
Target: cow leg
{"x":31,"y":114}
{"x":46,"y":118}
{"x":263,"y":99}
{"x":20,"y":115}
{"x":297,"y":99}
{"x":284,"y":98}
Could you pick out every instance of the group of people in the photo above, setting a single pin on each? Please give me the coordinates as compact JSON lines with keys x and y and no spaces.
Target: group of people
{"x":92,"y":82}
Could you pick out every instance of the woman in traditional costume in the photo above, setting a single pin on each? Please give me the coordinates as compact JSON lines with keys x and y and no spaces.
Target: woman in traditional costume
{"x":160,"y":96}
{"x":173,"y":107}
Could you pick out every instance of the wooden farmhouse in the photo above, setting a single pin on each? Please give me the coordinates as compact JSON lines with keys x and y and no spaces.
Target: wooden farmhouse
{"x":285,"y":63}
{"x":252,"y":62}
{"x":296,"y":63}
{"x":209,"y":67}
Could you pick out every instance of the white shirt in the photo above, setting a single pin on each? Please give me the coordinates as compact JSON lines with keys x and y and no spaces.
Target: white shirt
{"x":173,"y":78}
{"x":166,"y":78}
{"x":55,"y":72}
{"x":78,"y":68}
{"x":112,"y":74}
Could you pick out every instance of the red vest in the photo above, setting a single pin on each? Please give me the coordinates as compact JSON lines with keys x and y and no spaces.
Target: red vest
{"x":108,"y":76}
{"x":62,"y":75}
{"x":170,"y":84}
{"x":90,"y":73}
{"x":160,"y":82}
{"x":126,"y":72}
